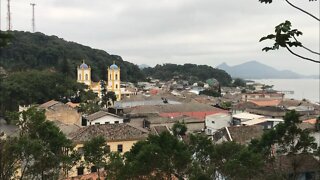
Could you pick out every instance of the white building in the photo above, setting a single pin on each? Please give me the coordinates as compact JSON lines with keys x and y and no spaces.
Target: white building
{"x":217,"y":121}
{"x":102,"y":117}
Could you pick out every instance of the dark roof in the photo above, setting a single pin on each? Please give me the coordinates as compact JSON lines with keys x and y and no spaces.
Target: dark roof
{"x":267,"y":111}
{"x":99,"y":114}
{"x":244,"y":134}
{"x":160,"y":129}
{"x":239,"y":134}
{"x":111,"y":132}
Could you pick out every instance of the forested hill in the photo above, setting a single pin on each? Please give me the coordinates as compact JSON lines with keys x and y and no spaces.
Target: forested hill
{"x":39,"y":51}
{"x":190,"y":72}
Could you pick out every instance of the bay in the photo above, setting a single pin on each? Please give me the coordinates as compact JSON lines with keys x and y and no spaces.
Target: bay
{"x":303,"y":88}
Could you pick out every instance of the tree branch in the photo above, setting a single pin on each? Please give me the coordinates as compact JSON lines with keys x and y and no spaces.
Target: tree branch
{"x":302,"y":10}
{"x":308,"y":59}
{"x":307,"y":48}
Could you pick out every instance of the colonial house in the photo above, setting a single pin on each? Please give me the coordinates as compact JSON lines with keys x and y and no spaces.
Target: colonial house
{"x":119,"y":138}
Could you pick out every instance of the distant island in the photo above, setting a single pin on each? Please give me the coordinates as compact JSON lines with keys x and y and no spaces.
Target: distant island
{"x":257,"y":70}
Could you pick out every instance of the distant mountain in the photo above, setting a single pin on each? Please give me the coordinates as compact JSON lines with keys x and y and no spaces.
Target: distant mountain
{"x":257,"y":70}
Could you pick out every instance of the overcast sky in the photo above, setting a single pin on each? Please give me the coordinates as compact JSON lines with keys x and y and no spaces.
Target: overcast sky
{"x":174,"y":31}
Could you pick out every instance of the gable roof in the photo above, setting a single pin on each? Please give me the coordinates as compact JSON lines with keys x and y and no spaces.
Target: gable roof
{"x":100,"y":114}
{"x":111,"y":132}
{"x":49,"y":104}
{"x":244,"y":134}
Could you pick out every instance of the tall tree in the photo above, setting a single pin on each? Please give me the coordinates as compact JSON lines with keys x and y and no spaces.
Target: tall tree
{"x":95,"y":153}
{"x":159,"y":157}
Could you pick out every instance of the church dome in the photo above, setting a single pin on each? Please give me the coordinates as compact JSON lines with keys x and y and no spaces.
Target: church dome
{"x":114,"y":66}
{"x":84,"y":66}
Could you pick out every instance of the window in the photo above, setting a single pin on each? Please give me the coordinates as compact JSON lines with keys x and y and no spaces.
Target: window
{"x":107,"y":123}
{"x":93,"y":169}
{"x":212,"y":122}
{"x":80,"y":150}
{"x":108,"y":148}
{"x":120,"y":148}
{"x":110,"y":76}
{"x":80,"y":170}
{"x":116,"y":86}
{"x":79,"y":76}
{"x":97,"y":123}
{"x":86,"y":77}
{"x":116,"y":122}
{"x":116,"y":76}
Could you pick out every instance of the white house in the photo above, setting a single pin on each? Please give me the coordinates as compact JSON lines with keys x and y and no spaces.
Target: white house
{"x":102,"y":117}
{"x":217,"y":121}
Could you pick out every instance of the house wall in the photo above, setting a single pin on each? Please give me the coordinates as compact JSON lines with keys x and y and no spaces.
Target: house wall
{"x":214,"y":123}
{"x":126,"y":146}
{"x":106,"y":120}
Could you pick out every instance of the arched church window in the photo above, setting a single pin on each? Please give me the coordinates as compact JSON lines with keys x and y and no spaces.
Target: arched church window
{"x":86,"y":77}
{"x":116,"y":77}
{"x":79,"y":76}
{"x":110,"y":76}
{"x":116,"y":86}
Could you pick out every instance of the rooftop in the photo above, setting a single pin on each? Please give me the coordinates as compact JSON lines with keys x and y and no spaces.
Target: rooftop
{"x":246,"y":116}
{"x":99,"y":114}
{"x":111,"y":132}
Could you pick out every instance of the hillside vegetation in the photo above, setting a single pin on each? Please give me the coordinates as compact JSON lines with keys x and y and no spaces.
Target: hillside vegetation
{"x":190,"y":72}
{"x":38,"y":51}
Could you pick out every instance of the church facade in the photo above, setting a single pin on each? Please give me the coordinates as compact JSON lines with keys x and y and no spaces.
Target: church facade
{"x":113,"y":84}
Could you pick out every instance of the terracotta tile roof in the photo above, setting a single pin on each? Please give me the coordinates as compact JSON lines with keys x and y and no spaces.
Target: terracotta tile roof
{"x":311,"y":121}
{"x":73,"y":105}
{"x":111,"y":132}
{"x":49,"y":104}
{"x":273,"y":102}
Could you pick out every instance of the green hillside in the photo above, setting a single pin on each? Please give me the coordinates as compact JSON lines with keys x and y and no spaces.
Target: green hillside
{"x":39,"y":51}
{"x":190,"y":72}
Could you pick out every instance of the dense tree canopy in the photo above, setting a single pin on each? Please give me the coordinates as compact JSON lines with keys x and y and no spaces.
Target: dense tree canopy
{"x":38,"y":51}
{"x":190,"y":72}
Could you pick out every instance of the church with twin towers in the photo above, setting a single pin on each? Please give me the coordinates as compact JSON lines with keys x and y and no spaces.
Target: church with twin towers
{"x":113,"y":83}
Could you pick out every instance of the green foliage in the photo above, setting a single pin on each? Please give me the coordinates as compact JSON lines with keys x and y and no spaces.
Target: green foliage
{"x":36,"y":87}
{"x":5,"y":38}
{"x":238,"y":82}
{"x":226,"y":104}
{"x":41,"y":146}
{"x":29,"y":51}
{"x":158,"y":157}
{"x":95,"y":152}
{"x":179,"y":129}
{"x":89,"y":107}
{"x":287,"y":137}
{"x":190,"y":72}
{"x":210,"y":92}
{"x":283,"y":37}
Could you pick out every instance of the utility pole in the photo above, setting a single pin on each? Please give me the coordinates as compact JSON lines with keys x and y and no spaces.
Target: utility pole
{"x":9,"y":17}
{"x":33,"y":20}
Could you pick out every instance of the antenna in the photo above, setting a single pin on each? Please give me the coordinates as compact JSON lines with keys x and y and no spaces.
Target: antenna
{"x":33,"y":20}
{"x":9,"y":17}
